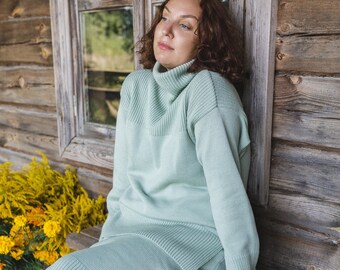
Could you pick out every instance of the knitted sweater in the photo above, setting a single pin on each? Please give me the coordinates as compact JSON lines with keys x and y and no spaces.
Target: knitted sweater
{"x":181,"y":164}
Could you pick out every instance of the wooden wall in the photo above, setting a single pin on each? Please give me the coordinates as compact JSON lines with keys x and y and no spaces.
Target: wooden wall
{"x":28,"y":119}
{"x":300,"y":229}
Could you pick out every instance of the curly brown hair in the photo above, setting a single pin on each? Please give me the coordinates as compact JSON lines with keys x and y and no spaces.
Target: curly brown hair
{"x":219,"y":46}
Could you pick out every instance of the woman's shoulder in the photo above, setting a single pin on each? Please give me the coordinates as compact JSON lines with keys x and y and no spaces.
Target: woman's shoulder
{"x":210,"y":85}
{"x":137,"y":76}
{"x":134,"y":80}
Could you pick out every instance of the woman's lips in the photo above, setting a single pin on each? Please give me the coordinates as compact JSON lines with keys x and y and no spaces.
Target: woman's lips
{"x":164,"y":46}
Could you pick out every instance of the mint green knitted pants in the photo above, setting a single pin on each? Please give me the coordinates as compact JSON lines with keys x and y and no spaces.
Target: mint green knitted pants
{"x":120,"y":253}
{"x":128,"y":252}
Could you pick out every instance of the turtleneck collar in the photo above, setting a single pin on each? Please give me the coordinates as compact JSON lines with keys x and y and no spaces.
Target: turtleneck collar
{"x":173,"y":80}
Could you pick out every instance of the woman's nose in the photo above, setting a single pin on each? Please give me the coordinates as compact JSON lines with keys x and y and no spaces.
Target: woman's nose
{"x":167,"y":29}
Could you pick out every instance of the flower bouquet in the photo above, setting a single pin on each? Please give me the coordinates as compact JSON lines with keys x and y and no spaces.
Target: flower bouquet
{"x":39,"y":207}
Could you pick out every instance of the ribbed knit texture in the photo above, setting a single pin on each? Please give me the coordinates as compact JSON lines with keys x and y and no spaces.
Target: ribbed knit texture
{"x":128,"y":252}
{"x":180,"y":166}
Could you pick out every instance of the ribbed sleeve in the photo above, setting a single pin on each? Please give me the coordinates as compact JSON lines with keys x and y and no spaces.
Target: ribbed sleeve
{"x":217,"y":139}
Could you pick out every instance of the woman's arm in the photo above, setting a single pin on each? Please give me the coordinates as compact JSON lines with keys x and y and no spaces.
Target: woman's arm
{"x":223,"y":149}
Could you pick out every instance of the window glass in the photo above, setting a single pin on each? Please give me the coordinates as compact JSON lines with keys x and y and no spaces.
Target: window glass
{"x":107,"y":59}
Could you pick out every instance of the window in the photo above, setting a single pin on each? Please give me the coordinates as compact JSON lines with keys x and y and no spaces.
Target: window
{"x":87,"y":85}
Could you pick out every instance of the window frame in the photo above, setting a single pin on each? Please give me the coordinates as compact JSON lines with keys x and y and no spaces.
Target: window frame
{"x":93,"y":145}
{"x":80,"y":141}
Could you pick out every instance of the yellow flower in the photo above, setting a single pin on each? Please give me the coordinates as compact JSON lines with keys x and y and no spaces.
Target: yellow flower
{"x":4,"y":213}
{"x":51,"y":228}
{"x":64,"y":249}
{"x":20,"y":221}
{"x":19,"y":240}
{"x":49,"y":257}
{"x":17,"y":253}
{"x":6,"y":244}
{"x":2,"y":266}
{"x":36,"y":216}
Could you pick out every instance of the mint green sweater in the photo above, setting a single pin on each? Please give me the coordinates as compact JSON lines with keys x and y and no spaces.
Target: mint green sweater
{"x":181,"y":166}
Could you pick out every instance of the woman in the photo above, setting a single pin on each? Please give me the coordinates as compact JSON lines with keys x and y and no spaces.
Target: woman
{"x":181,"y":155}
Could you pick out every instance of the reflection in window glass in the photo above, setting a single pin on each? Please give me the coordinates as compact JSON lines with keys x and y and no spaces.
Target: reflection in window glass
{"x":108,"y":59}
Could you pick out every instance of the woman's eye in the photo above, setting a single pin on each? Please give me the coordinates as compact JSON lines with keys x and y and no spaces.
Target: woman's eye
{"x":185,"y":26}
{"x":163,"y":18}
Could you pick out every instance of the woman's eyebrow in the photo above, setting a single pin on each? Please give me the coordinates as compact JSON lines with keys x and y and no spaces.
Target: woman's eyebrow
{"x":183,"y":16}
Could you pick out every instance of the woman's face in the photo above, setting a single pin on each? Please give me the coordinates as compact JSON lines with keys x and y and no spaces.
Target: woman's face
{"x":175,"y":39}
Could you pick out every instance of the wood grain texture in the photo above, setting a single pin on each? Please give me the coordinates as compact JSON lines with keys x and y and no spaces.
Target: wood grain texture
{"x":307,"y":110}
{"x":18,"y":9}
{"x":84,"y":5}
{"x":313,"y":172}
{"x":91,"y":151}
{"x":32,"y":31}
{"x":237,"y":11}
{"x":312,"y":17}
{"x":38,"y":54}
{"x":288,"y":243}
{"x":28,"y":142}
{"x":84,"y":239}
{"x":32,"y":85}
{"x":258,"y":94}
{"x":310,"y":209}
{"x":309,"y":53}
{"x":28,"y":119}
{"x":63,"y":72}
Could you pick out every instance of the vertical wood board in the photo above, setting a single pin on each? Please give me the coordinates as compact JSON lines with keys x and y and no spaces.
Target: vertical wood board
{"x":63,"y":73}
{"x":260,"y":25}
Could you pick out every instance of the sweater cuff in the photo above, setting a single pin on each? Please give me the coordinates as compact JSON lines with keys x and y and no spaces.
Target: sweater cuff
{"x":239,"y":263}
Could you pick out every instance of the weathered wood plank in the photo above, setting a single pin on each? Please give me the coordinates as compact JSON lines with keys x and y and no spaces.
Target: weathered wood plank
{"x":307,"y":208}
{"x":315,"y":54}
{"x":32,"y":31}
{"x":15,"y":9}
{"x":260,"y":17}
{"x":40,"y":54}
{"x":312,"y":172}
{"x":84,"y":239}
{"x":236,"y":8}
{"x":32,"y":120}
{"x":296,"y":246}
{"x":78,"y":241}
{"x":84,"y":5}
{"x":92,"y":151}
{"x":63,"y":72}
{"x":96,"y":184}
{"x":307,"y":110}
{"x":312,"y":16}
{"x":27,"y":85}
{"x":27,"y":142}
